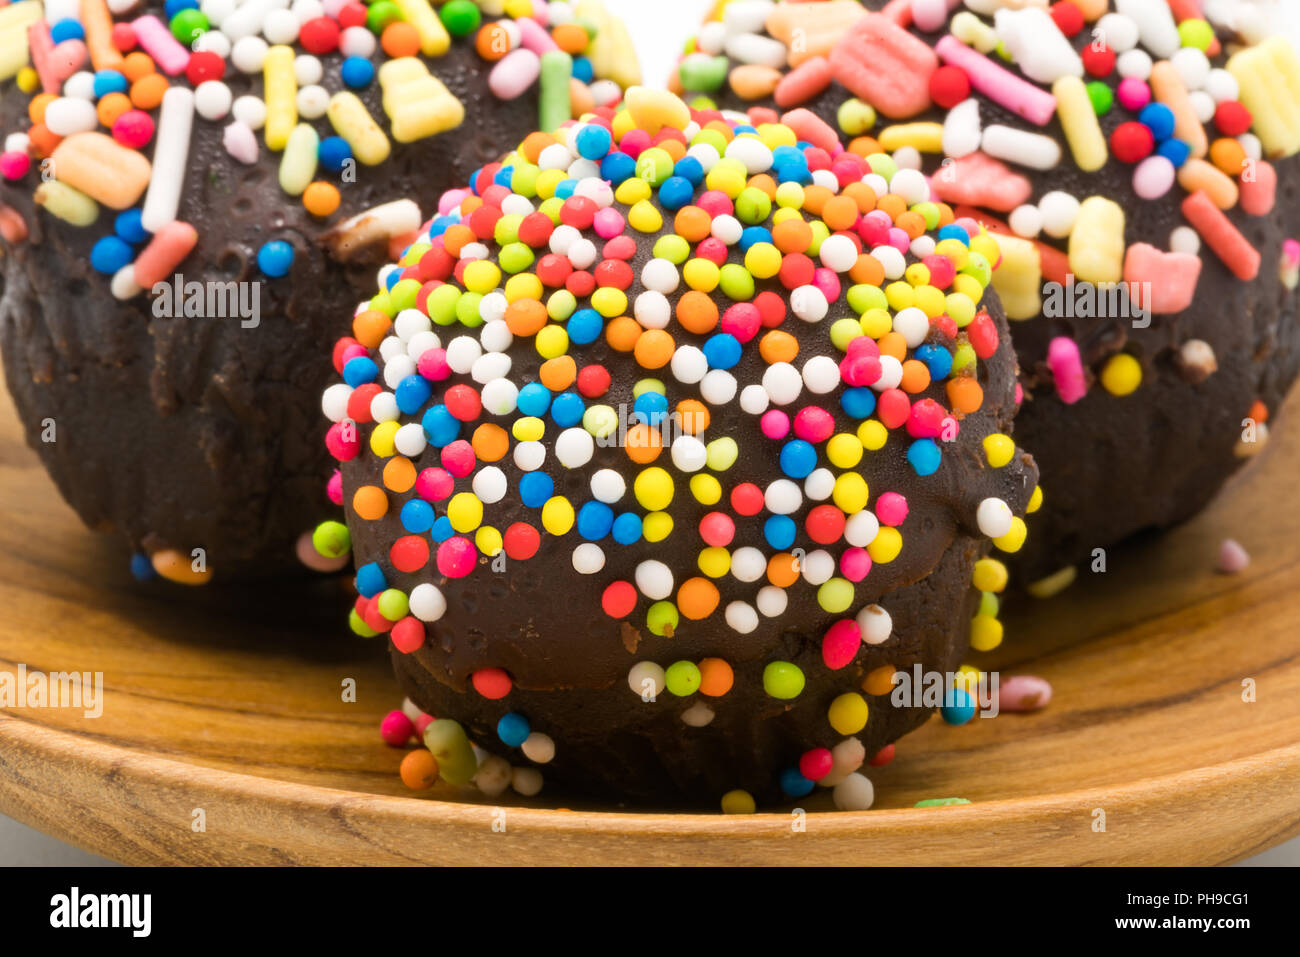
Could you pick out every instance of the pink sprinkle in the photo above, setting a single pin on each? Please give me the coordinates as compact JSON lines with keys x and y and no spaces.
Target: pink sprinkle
{"x":425,"y":720}
{"x":1133,"y":93}
{"x":432,"y":364}
{"x":814,"y":424}
{"x":620,"y":247}
{"x":891,"y":509}
{"x":841,"y":643}
{"x":1067,"y":369}
{"x":715,"y":203}
{"x":717,"y":529}
{"x":609,"y":222}
{"x":899,"y":239}
{"x":925,"y":419}
{"x":533,"y":37}
{"x":775,"y":424}
{"x":634,"y":143}
{"x":855,"y":564}
{"x":942,"y":271}
{"x":354,"y":351}
{"x":743,"y":320}
{"x":826,"y":281}
{"x":1291,"y":250}
{"x":396,"y":729}
{"x":343,"y":444}
{"x":434,"y":484}
{"x":14,"y":165}
{"x":811,"y":128}
{"x":1024,"y":693}
{"x":456,"y":557}
{"x":334,"y":488}
{"x":458,"y":458}
{"x":816,"y":764}
{"x":450,"y":200}
{"x":1232,"y":557}
{"x":861,"y":369}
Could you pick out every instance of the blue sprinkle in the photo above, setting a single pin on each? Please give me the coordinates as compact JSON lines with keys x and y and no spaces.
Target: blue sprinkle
{"x":583,"y":69}
{"x":370,"y":580}
{"x":504,"y":176}
{"x":752,"y":235}
{"x":441,"y":428}
{"x":142,"y":568}
{"x":536,"y":489}
{"x":412,"y":392}
{"x":473,"y":181}
{"x":595,"y":519}
{"x":108,"y":81}
{"x":593,"y":141}
{"x":391,"y":278}
{"x":798,"y":458}
{"x":275,"y":258}
{"x":67,"y":29}
{"x":130,"y":226}
{"x":617,"y":167}
{"x":513,"y":729}
{"x":1174,"y":150}
{"x":780,"y":531}
{"x":627,"y":528}
{"x":689,"y":168}
{"x":585,"y":327}
{"x":953,"y":231}
{"x":958,"y":707}
{"x":442,"y":529}
{"x":1159,"y":119}
{"x":858,"y":402}
{"x":722,"y":351}
{"x":650,"y":407}
{"x":357,"y":72}
{"x":110,"y":254}
{"x":937,"y":359}
{"x":440,"y":225}
{"x":333,"y":153}
{"x":417,"y":516}
{"x":173,"y":7}
{"x":794,"y":784}
{"x":567,"y":409}
{"x":534,"y":399}
{"x":675,"y":192}
{"x":745,"y":128}
{"x":359,"y":371}
{"x":565,"y":187}
{"x":924,"y":455}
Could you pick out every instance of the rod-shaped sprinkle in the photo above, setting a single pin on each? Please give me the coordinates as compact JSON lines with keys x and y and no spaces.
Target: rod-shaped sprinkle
{"x":281,"y":94}
{"x":171,"y":156}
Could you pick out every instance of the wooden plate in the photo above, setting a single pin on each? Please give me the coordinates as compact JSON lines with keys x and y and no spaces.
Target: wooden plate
{"x":230,"y":703}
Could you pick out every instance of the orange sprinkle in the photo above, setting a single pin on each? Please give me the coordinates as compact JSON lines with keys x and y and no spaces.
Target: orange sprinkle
{"x":879,"y":681}
{"x":1228,"y":155}
{"x":490,"y":442}
{"x":692,"y":223}
{"x":137,"y":64}
{"x":570,"y":38}
{"x":419,"y":769}
{"x":42,"y":140}
{"x":893,"y":344}
{"x":674,"y":148}
{"x":654,"y":349}
{"x":868,"y":270}
{"x":693,"y":415}
{"x":525,"y":317}
{"x":533,"y":145}
{"x":764,"y":183}
{"x":719,"y":126}
{"x":558,"y":374}
{"x":782,"y":570}
{"x":581,"y":102}
{"x":778,"y":346}
{"x":643,"y":444}
{"x":946,"y":215}
{"x":697,"y":598}
{"x":399,"y":474}
{"x":716,"y":677}
{"x":492,"y":42}
{"x":839,"y":212}
{"x":36,"y":108}
{"x":320,"y":198}
{"x":1259,"y":411}
{"x":456,"y":238}
{"x":912,"y":223}
{"x":865,"y":145}
{"x":916,"y":377}
{"x":110,"y":107}
{"x":147,"y":92}
{"x":370,"y":502}
{"x":622,"y":333}
{"x":792,"y":236}
{"x":965,"y":394}
{"x":863,"y":195}
{"x":697,"y":312}
{"x":892,"y":204}
{"x":370,"y":327}
{"x":400,"y":39}
{"x":815,"y":198}
{"x":469,"y":204}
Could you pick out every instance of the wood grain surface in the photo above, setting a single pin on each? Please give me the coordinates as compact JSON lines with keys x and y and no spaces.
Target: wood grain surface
{"x":229,"y":701}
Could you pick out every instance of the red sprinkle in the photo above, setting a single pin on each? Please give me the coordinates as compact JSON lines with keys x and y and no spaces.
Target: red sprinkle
{"x":949,"y":85}
{"x":619,"y":599}
{"x":816,"y":764}
{"x":1099,"y":62}
{"x":593,"y":381}
{"x":409,"y":553}
{"x":747,"y":499}
{"x":408,"y":635}
{"x":1132,"y":142}
{"x":521,"y":541}
{"x":1068,"y":17}
{"x":1232,"y":118}
{"x":492,"y":683}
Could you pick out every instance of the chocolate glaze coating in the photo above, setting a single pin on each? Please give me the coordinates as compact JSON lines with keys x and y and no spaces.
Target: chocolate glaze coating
{"x":1114,"y":466}
{"x":542,"y":622}
{"x":190,"y":432}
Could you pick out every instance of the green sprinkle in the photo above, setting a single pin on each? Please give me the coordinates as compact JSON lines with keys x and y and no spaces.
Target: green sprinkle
{"x":662,"y":619}
{"x":783,"y":680}
{"x":682,"y":678}
{"x":331,"y":539}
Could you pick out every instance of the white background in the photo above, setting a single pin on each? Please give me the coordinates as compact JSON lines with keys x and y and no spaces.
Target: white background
{"x":660,"y":28}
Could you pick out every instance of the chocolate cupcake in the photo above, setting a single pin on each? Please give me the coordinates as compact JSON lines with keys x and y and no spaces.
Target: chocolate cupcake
{"x":1136,"y":162}
{"x":666,"y":447}
{"x":180,"y":225}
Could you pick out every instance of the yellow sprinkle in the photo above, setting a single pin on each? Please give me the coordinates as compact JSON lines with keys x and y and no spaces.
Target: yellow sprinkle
{"x":68,"y":204}
{"x":557,"y":515}
{"x":999,"y":449}
{"x":352,"y":121}
{"x":280,"y":90}
{"x":653,"y":109}
{"x":298,"y":164}
{"x":1269,"y":78}
{"x":417,"y":103}
{"x":1097,"y":242}
{"x":1035,"y":500}
{"x":884,"y":548}
{"x":632,"y":191}
{"x":1012,"y":541}
{"x":381,"y":439}
{"x":657,"y":526}
{"x":1079,"y":121}
{"x":644,"y":217}
{"x":925,"y":137}
{"x":985,"y":633}
{"x":434,"y":40}
{"x":1122,"y":374}
{"x":990,"y":575}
